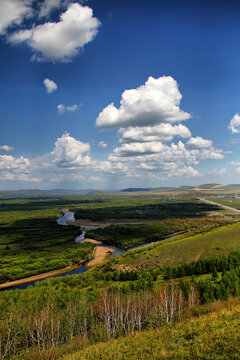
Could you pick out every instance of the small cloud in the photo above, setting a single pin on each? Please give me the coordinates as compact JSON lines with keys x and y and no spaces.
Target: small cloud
{"x":62,"y":108}
{"x":102,"y":145}
{"x":6,"y":148}
{"x":94,"y":178}
{"x":48,"y":6}
{"x":236,"y":163}
{"x":234,"y":125}
{"x":218,"y":172}
{"x":238,"y":170}
{"x":199,"y":143}
{"x":50,"y":85}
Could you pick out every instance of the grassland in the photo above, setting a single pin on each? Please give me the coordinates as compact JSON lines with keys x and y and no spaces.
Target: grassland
{"x":215,"y":335}
{"x":185,"y":249}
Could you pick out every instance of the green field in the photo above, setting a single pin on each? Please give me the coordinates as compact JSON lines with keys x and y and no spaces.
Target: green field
{"x":185,"y":249}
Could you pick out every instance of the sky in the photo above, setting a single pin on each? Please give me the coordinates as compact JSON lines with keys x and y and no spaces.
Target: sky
{"x":112,"y":94}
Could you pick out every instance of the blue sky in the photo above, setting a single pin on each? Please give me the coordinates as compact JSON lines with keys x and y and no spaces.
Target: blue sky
{"x":112,"y":94}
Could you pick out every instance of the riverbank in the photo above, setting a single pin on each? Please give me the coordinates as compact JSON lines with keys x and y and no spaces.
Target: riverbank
{"x":37,"y":277}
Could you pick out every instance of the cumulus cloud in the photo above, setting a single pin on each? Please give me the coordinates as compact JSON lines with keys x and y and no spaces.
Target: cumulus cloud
{"x":155,"y":102}
{"x":101,"y":145}
{"x":50,"y":85}
{"x":161,"y":132}
{"x":234,"y":125}
{"x":237,"y":163}
{"x":13,"y":12}
{"x":199,"y":143}
{"x":69,"y":152}
{"x":62,"y":108}
{"x":6,"y":148}
{"x":238,"y":170}
{"x":60,"y":41}
{"x":47,"y":7}
{"x":12,"y":168}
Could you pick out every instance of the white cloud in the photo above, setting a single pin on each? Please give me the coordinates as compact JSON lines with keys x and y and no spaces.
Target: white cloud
{"x":12,"y":168}
{"x":60,"y":41}
{"x":238,"y":170}
{"x":13,"y":12}
{"x":161,"y":132}
{"x":155,"y":102}
{"x":134,"y":149}
{"x":94,"y":178}
{"x":218,"y":172}
{"x":47,"y":6}
{"x":50,"y":85}
{"x":6,"y":148}
{"x":69,"y":152}
{"x":234,"y":125}
{"x":102,"y":145}
{"x":199,"y":143}
{"x":62,"y":108}
{"x":186,"y":171}
{"x":235,"y":163}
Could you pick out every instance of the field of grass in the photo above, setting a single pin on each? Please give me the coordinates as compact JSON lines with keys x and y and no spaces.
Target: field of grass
{"x":215,"y":335}
{"x":185,"y":249}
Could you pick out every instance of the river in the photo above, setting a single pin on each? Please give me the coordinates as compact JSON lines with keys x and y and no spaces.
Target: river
{"x":69,"y":216}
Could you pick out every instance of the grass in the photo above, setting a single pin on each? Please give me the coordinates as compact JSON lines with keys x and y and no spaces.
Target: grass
{"x":215,"y":335}
{"x":184,"y":249}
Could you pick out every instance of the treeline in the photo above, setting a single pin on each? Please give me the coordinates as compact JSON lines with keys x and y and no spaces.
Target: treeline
{"x":130,"y":235}
{"x":163,"y":210}
{"x":204,"y":266}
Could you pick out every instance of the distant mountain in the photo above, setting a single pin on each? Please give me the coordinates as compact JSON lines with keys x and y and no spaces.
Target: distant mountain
{"x":135,"y":189}
{"x":41,"y":193}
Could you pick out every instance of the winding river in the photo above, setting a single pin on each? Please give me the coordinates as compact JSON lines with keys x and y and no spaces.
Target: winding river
{"x":69,"y":216}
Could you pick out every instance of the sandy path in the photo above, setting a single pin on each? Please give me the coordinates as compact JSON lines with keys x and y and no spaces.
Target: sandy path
{"x":220,"y":205}
{"x":36,"y":277}
{"x":100,"y":253}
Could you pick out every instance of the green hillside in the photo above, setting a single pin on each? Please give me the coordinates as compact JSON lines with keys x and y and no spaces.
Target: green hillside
{"x":186,"y":249}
